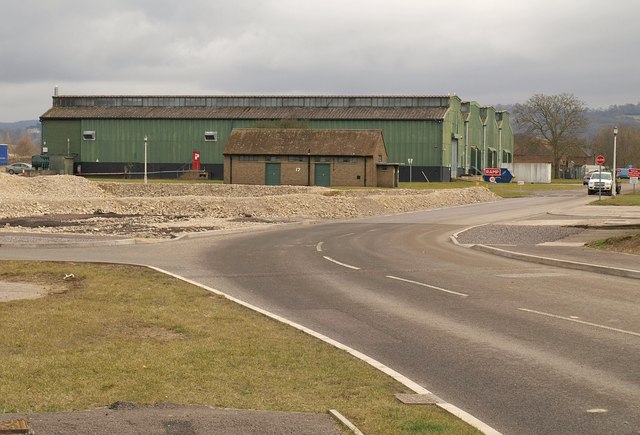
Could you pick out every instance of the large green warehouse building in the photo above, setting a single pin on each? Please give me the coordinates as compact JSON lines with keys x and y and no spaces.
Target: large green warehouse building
{"x":435,"y":137}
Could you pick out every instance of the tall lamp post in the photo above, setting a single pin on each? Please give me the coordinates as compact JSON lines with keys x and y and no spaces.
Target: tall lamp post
{"x":614,"y":184}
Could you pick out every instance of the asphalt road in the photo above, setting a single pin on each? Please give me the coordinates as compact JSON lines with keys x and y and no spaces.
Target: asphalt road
{"x":527,"y":349}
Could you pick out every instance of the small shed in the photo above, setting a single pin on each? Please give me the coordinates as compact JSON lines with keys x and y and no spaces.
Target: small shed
{"x":308,"y":157}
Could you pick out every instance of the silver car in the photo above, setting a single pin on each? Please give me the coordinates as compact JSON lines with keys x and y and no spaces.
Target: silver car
{"x":19,"y":168}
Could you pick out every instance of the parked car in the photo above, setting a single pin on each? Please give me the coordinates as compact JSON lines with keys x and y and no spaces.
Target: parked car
{"x":623,"y":172}
{"x":602,"y":182}
{"x":19,"y":168}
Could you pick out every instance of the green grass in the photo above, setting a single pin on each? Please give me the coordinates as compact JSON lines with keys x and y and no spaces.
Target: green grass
{"x":121,"y":333}
{"x":504,"y":190}
{"x":632,"y":199}
{"x":629,"y":244}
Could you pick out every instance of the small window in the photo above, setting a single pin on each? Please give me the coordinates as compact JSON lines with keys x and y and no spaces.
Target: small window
{"x":296,"y":159}
{"x":210,"y":136}
{"x":246,"y":158}
{"x":89,"y":135}
{"x":346,"y":159}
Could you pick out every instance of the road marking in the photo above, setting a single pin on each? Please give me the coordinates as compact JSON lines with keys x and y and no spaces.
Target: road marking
{"x":319,"y":246}
{"x":597,"y":410}
{"x":341,"y":264}
{"x":412,"y":385}
{"x":532,"y":275}
{"x":345,"y":235}
{"x":572,"y":319}
{"x":427,"y":285}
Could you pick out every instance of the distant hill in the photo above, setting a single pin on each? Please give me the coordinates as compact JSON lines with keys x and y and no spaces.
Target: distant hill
{"x":17,"y":130}
{"x":19,"y":125}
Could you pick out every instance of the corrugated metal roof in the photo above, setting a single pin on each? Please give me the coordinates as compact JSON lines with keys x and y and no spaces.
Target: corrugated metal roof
{"x":301,"y":142}
{"x":346,"y":113}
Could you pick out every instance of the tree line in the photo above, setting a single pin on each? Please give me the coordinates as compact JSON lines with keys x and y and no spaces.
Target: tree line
{"x":557,"y":126}
{"x":21,"y":143}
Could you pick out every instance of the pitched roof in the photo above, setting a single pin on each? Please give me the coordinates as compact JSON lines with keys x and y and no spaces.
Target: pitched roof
{"x":258,"y":113}
{"x":294,"y":141}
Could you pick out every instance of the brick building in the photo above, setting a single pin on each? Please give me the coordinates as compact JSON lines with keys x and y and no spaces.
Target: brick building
{"x":308,"y":157}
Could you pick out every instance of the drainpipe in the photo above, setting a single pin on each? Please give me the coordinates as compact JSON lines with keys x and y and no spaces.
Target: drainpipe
{"x":484,"y":146}
{"x":309,"y":167}
{"x":467,"y":151}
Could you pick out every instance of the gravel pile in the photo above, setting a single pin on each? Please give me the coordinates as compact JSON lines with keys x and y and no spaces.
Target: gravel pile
{"x":137,"y":209}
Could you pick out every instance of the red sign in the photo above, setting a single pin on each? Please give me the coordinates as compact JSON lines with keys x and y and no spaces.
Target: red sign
{"x":633,"y":172}
{"x":600,"y":160}
{"x":492,"y":172}
{"x":195,"y":161}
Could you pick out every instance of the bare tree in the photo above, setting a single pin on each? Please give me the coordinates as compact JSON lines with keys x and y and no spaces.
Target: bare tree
{"x":627,"y":145}
{"x":25,"y":147}
{"x":559,"y":119}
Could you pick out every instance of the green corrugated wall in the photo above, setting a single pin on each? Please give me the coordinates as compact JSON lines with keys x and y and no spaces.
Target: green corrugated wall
{"x":173,"y":141}
{"x":62,"y":137}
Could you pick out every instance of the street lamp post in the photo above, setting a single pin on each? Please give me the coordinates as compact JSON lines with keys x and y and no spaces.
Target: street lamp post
{"x":614,"y":184}
{"x":145,"y":160}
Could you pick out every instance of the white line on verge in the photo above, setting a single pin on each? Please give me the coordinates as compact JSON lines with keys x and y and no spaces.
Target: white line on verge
{"x":415,"y":387}
{"x":427,"y":285}
{"x":341,"y":264}
{"x":569,"y":319}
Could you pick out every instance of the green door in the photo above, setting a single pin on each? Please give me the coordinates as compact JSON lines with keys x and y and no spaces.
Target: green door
{"x":322,"y":175}
{"x":272,"y":176}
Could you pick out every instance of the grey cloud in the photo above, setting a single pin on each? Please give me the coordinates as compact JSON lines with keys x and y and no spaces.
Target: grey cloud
{"x":498,"y":51}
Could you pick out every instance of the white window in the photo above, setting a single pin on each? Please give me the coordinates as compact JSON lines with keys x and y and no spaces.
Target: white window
{"x":89,"y":135}
{"x":210,"y":136}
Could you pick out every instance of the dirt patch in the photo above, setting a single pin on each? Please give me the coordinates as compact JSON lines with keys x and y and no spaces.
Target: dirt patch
{"x":10,"y":291}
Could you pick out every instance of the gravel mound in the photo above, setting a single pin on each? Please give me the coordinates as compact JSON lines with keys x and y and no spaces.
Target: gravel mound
{"x":515,"y":235}
{"x":167,"y":209}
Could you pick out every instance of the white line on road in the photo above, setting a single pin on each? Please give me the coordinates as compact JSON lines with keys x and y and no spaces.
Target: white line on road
{"x":570,"y":319}
{"x":341,"y":264}
{"x":319,"y":246}
{"x":345,"y":235}
{"x":427,"y":285}
{"x":412,"y":385}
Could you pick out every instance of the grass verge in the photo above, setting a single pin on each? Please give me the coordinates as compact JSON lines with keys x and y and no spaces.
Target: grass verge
{"x":632,"y":199}
{"x":504,"y":190}
{"x":123,"y":333}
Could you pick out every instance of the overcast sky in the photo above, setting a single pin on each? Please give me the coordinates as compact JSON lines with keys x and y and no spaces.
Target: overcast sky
{"x":490,"y":51}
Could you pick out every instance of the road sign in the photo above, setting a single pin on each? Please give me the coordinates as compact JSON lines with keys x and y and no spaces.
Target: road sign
{"x":600,"y":160}
{"x":633,"y":172}
{"x":492,"y":172}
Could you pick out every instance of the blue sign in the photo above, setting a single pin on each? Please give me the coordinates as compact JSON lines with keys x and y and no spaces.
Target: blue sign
{"x":505,"y":177}
{"x":4,"y":154}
